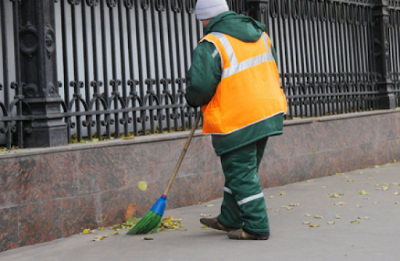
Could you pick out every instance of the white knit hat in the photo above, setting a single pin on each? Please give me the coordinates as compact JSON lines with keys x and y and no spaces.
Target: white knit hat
{"x":207,"y":9}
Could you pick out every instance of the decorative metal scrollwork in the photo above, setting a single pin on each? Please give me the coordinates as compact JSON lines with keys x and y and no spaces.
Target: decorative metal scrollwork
{"x":296,"y":9}
{"x":332,"y":14}
{"x":74,"y":2}
{"x":350,"y":15}
{"x":145,"y":4}
{"x":285,"y":9}
{"x":274,"y":8}
{"x":128,"y":4}
{"x":111,"y":3}
{"x":190,"y":6}
{"x":324,"y":11}
{"x":92,"y":3}
{"x":314,"y":10}
{"x":176,"y":6}
{"x":341,"y":13}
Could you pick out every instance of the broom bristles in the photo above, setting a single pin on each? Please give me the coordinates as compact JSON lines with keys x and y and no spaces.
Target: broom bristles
{"x":149,"y":222}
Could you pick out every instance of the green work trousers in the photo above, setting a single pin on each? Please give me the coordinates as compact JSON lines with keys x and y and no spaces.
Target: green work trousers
{"x":243,"y":205}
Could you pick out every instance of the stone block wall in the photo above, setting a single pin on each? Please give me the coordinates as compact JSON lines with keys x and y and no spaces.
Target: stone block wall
{"x":52,"y":193}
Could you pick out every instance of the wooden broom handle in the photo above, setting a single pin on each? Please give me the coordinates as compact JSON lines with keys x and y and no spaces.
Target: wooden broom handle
{"x":183,"y":153}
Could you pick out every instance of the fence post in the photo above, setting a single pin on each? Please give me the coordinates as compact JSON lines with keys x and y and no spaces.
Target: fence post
{"x":387,"y":98}
{"x":257,"y":9}
{"x":38,"y":65}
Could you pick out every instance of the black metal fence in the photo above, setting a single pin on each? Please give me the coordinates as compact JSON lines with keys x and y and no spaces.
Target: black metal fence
{"x":116,"y":68}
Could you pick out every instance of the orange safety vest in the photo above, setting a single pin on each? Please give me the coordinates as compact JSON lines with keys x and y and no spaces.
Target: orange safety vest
{"x":249,"y":91}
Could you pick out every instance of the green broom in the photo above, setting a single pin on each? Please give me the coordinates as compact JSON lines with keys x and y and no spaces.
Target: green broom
{"x":151,"y":220}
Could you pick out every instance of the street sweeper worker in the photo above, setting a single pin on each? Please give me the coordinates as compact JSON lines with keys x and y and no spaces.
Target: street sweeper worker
{"x":235,"y":80}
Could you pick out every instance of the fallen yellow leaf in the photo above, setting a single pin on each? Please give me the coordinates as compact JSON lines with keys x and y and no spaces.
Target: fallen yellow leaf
{"x":339,"y":203}
{"x":142,"y":185}
{"x":314,"y":225}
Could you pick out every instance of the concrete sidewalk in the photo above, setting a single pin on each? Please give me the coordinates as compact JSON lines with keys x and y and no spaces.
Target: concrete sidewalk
{"x":376,"y":238}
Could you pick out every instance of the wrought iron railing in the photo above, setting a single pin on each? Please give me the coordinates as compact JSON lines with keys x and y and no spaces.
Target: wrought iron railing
{"x":118,"y":66}
{"x":394,"y":36}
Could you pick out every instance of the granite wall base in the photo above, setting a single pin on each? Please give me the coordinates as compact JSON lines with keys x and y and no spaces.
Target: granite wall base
{"x":47,"y":194}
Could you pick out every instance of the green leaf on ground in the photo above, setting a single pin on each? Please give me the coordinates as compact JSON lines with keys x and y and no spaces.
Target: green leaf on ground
{"x":331,"y":223}
{"x":358,"y":206}
{"x":360,"y":172}
{"x":306,"y":223}
{"x":204,"y":227}
{"x":211,"y":205}
{"x":115,"y":233}
{"x":308,"y":215}
{"x":338,"y":217}
{"x":318,"y":217}
{"x":369,"y":178}
{"x":85,"y":231}
{"x":363,"y":192}
{"x":282,"y":193}
{"x":132,"y":220}
{"x":314,"y":225}
{"x":310,"y":180}
{"x":363,"y":217}
{"x":355,"y":222}
{"x":385,"y":188}
{"x":339,"y":174}
{"x":350,"y":180}
{"x":334,"y":195}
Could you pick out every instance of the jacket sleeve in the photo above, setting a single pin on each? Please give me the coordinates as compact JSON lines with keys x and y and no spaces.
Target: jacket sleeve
{"x":204,"y":75}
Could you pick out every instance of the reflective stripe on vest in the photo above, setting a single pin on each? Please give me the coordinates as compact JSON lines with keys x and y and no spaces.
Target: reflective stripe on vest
{"x":249,"y":91}
{"x":238,"y":67}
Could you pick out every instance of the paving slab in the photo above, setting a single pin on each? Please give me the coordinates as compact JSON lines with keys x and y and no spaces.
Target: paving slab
{"x":376,"y":238}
